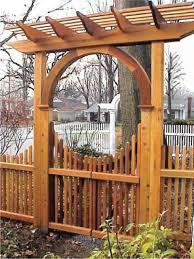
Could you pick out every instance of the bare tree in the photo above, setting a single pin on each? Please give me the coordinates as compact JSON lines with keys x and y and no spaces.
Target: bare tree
{"x":174,"y":75}
{"x":22,"y":68}
{"x":15,"y":124}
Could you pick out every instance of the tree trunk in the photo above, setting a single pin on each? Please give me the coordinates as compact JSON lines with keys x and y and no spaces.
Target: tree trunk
{"x":128,"y":86}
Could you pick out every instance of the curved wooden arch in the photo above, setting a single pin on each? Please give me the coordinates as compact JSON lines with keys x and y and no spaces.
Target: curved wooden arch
{"x":72,"y":56}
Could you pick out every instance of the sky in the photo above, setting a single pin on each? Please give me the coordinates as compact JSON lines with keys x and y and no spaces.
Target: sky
{"x":185,"y":47}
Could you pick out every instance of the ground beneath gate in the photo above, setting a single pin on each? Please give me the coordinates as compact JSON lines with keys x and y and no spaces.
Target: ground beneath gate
{"x":20,"y":240}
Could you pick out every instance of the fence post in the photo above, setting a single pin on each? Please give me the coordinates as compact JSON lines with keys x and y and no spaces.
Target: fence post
{"x":156,"y":133}
{"x":42,"y":117}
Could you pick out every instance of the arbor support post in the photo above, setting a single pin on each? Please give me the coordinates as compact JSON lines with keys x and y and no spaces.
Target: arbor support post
{"x":152,"y":140}
{"x":156,"y":130}
{"x":42,"y":118}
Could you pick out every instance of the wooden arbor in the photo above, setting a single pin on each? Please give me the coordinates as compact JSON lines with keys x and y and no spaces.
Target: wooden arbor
{"x":101,"y":33}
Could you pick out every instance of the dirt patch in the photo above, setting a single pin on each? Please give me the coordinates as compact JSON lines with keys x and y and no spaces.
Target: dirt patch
{"x":20,"y":240}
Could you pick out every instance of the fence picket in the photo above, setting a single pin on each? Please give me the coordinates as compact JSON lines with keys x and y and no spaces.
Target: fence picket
{"x":75,"y":180}
{"x":183,"y":183}
{"x":176,"y":189}
{"x":169,"y":188}
{"x":190,"y":188}
{"x":99,"y":195}
{"x":65,"y":165}
{"x":94,"y":203}
{"x":85,"y":194}
{"x":104,"y":184}
{"x":115,"y":200}
{"x":25,"y":179}
{"x":121,"y":171}
{"x":30,"y":182}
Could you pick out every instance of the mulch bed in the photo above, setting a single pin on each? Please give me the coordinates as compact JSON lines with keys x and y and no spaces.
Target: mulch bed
{"x":21,"y":240}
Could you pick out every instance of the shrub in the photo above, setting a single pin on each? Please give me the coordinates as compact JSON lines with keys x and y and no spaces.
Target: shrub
{"x":152,"y":241}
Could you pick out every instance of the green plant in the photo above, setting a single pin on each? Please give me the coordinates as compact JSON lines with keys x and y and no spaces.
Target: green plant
{"x":152,"y":241}
{"x":87,"y":150}
{"x":191,"y":252}
{"x":73,"y":141}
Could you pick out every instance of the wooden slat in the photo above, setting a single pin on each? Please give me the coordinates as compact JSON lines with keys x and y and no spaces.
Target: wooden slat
{"x":25,"y":178}
{"x":85,"y":194}
{"x":70,"y":228}
{"x":94,"y":196}
{"x":176,"y":190}
{"x":99,"y":197}
{"x":70,"y":172}
{"x":169,"y":189}
{"x":138,"y":173}
{"x":191,"y":158}
{"x":56,"y":198}
{"x":11,"y":195}
{"x":75,"y":206}
{"x":16,"y":216}
{"x":103,"y":17}
{"x":104,"y":189}
{"x":121,"y":187}
{"x":30,"y":183}
{"x":173,"y":173}
{"x":90,"y":196}
{"x":117,"y":178}
{"x":4,"y":182}
{"x":183,"y":183}
{"x":115,"y":198}
{"x":162,"y":181}
{"x":190,"y":192}
{"x":8,"y":184}
{"x":18,"y":167}
{"x":65,"y":165}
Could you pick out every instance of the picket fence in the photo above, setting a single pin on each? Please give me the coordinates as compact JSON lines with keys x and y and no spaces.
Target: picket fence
{"x":99,"y":135}
{"x":87,"y":190}
{"x":96,"y":134}
{"x":179,"y":135}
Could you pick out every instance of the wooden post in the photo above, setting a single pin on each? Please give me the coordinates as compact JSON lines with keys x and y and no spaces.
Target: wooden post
{"x":156,"y":134}
{"x":144,"y":165}
{"x":42,"y":117}
{"x":46,"y":117}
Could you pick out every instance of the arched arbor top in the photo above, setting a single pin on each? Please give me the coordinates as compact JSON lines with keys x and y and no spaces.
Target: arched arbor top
{"x":74,"y":55}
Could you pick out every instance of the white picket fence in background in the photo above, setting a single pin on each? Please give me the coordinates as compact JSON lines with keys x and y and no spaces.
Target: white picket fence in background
{"x":98,"y":134}
{"x":181,"y":135}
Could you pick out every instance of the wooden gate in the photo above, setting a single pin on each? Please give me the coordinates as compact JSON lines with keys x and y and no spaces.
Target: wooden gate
{"x":88,"y":190}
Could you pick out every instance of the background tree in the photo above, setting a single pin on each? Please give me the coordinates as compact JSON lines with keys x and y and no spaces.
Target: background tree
{"x":127,"y":84}
{"x":174,"y":75}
